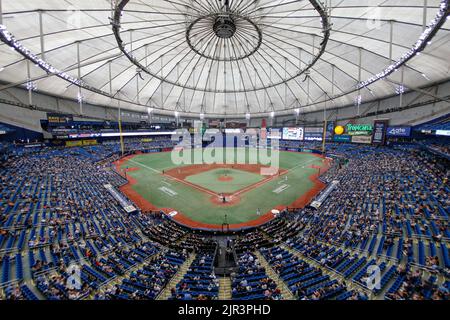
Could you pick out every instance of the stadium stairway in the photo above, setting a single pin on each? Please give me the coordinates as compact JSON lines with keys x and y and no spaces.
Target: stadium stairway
{"x":330,"y":272}
{"x":380,"y":259}
{"x":118,"y":280}
{"x":165,"y":293}
{"x":225,"y":288}
{"x":390,"y":261}
{"x":285,"y":292}
{"x":32,"y":286}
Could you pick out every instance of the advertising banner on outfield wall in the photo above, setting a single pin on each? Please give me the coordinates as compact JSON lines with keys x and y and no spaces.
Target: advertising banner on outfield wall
{"x":362,"y":139}
{"x":311,"y":136}
{"x":359,"y":129}
{"x":342,"y":138}
{"x":78,"y":143}
{"x":314,"y":130}
{"x":152,"y":150}
{"x":404,"y":132}
{"x":399,"y":132}
{"x":292,"y":149}
{"x":90,"y":142}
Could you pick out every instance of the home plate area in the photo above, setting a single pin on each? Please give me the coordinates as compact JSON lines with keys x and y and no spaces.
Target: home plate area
{"x":223,"y":182}
{"x":218,"y":179}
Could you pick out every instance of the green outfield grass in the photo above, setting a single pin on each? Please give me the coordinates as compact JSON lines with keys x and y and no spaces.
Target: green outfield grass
{"x":210,"y":180}
{"x":164,"y":192}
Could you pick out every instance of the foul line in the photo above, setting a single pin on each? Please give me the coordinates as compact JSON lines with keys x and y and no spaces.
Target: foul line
{"x":248,"y":188}
{"x":300,"y":164}
{"x":274,"y":177}
{"x":176,"y":179}
{"x":145,"y":166}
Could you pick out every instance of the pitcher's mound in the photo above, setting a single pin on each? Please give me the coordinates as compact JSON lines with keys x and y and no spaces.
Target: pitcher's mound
{"x":225,"y":178}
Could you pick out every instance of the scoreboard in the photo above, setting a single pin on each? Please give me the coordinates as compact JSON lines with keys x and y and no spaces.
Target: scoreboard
{"x":293,"y":134}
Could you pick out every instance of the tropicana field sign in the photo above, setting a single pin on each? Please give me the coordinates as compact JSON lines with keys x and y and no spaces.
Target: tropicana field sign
{"x":359,"y":129}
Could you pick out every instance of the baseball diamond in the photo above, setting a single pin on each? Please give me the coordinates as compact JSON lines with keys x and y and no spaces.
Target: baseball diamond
{"x":197,"y":192}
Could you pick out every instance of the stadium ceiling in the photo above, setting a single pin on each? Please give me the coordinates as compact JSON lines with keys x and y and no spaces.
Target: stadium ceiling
{"x":224,"y":57}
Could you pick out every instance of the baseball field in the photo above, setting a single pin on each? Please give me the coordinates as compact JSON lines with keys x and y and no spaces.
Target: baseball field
{"x":205,"y":196}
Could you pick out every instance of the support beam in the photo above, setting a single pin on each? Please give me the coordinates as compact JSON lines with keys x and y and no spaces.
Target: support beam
{"x":402,"y":88}
{"x":137,"y":88}
{"x":420,"y":91}
{"x":30,"y":91}
{"x":41,"y":34}
{"x":308,"y":92}
{"x":425,"y":9}
{"x":333,"y":67}
{"x":80,"y":92}
{"x":18,"y":83}
{"x":359,"y":79}
{"x":391,"y":39}
{"x":122,"y":145}
{"x":1,"y":13}
{"x":110,"y":78}
{"x":325,"y":125}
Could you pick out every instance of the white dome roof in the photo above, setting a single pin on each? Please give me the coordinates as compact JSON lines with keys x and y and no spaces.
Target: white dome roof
{"x":202,"y":56}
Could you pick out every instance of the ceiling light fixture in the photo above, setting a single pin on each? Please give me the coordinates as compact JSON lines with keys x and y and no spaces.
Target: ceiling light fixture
{"x":420,"y":45}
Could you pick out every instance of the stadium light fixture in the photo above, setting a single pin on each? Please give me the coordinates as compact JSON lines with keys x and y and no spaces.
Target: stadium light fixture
{"x":14,"y":44}
{"x":420,"y":45}
{"x":31,"y":85}
{"x":400,"y":89}
{"x":426,"y":77}
{"x":247,"y":116}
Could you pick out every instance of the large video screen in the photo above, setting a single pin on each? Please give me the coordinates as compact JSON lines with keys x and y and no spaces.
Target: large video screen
{"x":293,"y":134}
